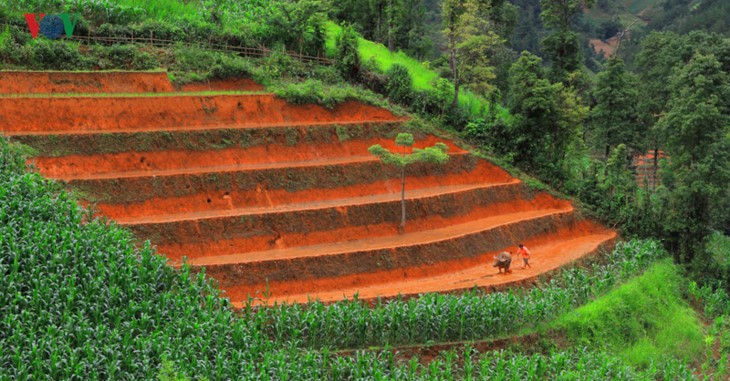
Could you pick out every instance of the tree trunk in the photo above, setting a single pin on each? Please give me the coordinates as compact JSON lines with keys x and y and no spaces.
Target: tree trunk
{"x":402,"y":226}
{"x":389,"y":17}
{"x":455,"y":76}
{"x":656,"y":167}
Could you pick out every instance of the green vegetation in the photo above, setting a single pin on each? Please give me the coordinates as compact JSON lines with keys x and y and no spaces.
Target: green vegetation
{"x":77,"y":300}
{"x":436,"y":154}
{"x":315,"y":91}
{"x":641,"y":320}
{"x":104,"y":309}
{"x":378,"y":58}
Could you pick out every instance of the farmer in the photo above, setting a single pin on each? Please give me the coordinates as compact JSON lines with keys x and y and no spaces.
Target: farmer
{"x":525,"y":254}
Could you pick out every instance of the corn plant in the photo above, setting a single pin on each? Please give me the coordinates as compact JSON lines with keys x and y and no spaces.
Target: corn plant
{"x":442,"y":317}
{"x":78,"y":301}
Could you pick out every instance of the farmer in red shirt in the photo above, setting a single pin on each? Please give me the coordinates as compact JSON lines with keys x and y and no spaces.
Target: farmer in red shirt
{"x":522,"y":251}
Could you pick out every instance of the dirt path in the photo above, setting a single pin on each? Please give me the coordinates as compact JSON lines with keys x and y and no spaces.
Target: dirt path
{"x":312,"y":205}
{"x":136,"y":164}
{"x":173,"y":113}
{"x":547,"y":256}
{"x":416,"y":238}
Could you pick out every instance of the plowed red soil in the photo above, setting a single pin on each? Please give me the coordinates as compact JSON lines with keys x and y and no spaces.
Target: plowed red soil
{"x":550,"y":252}
{"x":56,"y":82}
{"x":155,"y":163}
{"x":171,"y":113}
{"x":307,"y":211}
{"x":228,"y":198}
{"x":345,"y":221}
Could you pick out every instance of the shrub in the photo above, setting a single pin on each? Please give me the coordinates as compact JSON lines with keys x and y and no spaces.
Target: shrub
{"x":229,"y":67}
{"x":56,"y":55}
{"x":399,"y":85}
{"x":347,"y":57}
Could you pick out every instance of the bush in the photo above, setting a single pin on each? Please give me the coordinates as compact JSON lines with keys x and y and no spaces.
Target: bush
{"x":347,"y":57}
{"x":56,"y":55}
{"x":399,"y":85}
{"x":313,"y":91}
{"x":230,"y":67}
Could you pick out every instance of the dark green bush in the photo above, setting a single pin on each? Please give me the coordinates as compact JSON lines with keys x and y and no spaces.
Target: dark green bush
{"x":399,"y":85}
{"x":56,"y":55}
{"x":347,"y":57}
{"x":229,"y":67}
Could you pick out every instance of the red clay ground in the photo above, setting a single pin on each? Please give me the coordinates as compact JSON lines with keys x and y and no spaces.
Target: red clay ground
{"x":68,"y":115}
{"x":305,"y":209}
{"x":59,"y":82}
{"x":131,"y":164}
{"x":549,"y":253}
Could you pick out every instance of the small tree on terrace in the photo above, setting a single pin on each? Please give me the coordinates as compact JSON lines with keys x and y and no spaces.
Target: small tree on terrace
{"x":436,"y":154}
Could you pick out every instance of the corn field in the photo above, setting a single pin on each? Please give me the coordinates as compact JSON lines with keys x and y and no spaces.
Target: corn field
{"x":439,"y":317}
{"x":78,"y":301}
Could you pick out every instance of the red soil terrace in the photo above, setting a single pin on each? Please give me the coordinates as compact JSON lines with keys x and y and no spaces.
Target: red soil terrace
{"x":55,"y":82}
{"x":285,"y":199}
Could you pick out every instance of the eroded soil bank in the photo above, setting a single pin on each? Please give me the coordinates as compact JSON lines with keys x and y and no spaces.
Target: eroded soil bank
{"x":172,"y":113}
{"x":59,"y":82}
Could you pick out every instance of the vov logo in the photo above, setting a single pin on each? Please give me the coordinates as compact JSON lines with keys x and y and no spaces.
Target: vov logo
{"x":51,"y":26}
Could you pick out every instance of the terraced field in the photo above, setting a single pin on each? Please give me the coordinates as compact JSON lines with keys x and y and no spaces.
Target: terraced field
{"x":282,"y":202}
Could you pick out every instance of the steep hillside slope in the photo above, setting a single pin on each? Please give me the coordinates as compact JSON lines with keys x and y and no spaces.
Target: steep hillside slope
{"x":284,"y":203}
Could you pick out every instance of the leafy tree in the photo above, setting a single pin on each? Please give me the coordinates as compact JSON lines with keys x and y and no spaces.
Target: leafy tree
{"x":547,"y":118}
{"x":436,"y":154}
{"x":468,"y":40}
{"x":298,"y":25}
{"x":399,"y":85}
{"x":347,"y":57}
{"x":697,"y":132}
{"x":615,"y":118}
{"x":619,"y":188}
{"x":562,"y":47}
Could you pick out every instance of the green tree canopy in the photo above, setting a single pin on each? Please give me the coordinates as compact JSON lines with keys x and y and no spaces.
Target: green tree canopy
{"x":615,"y":118}
{"x":697,"y":132}
{"x":436,"y":154}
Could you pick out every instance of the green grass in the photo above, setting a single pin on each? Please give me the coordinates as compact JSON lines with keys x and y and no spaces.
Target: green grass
{"x":641,"y":320}
{"x":423,"y":77}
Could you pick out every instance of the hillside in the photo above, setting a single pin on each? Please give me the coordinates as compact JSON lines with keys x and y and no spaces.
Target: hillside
{"x":204,"y":190}
{"x":284,"y":200}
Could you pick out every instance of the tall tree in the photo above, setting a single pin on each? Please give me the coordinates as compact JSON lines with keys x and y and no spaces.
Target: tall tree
{"x":562,"y":46}
{"x":468,"y":40}
{"x":547,"y":117}
{"x":697,"y":131}
{"x":615,"y":118}
{"x":436,"y":154}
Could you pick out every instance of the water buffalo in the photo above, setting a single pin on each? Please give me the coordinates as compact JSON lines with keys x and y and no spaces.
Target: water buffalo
{"x":502,"y":261}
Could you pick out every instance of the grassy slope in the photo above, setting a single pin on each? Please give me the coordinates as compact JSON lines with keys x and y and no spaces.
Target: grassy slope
{"x":643,"y":318}
{"x":627,"y":11}
{"x":423,"y":77}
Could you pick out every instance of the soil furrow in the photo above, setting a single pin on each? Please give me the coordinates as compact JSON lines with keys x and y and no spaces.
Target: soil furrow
{"x":254,"y":232}
{"x":55,"y":82}
{"x":139,"y":164}
{"x":408,"y":239}
{"x":551,"y":252}
{"x":421,"y":193}
{"x":170,"y":113}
